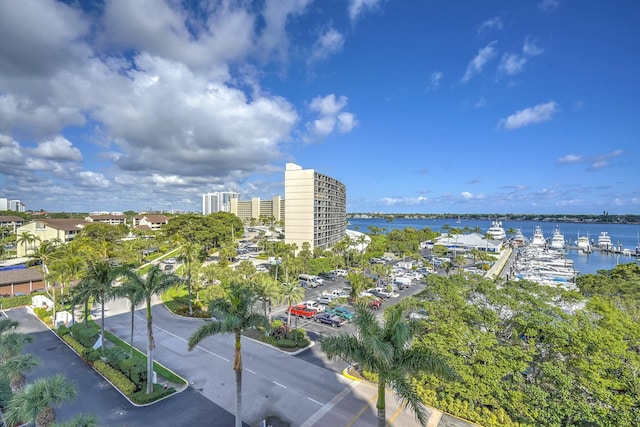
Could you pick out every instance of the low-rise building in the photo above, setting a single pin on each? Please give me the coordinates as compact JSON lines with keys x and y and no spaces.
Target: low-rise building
{"x":63,"y":230}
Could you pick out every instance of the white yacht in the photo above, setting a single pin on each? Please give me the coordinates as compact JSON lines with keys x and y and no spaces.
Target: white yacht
{"x":519,"y":239}
{"x":557,"y":241}
{"x":538,"y":237}
{"x":604,"y":241}
{"x":583,"y":244}
{"x":496,"y":232}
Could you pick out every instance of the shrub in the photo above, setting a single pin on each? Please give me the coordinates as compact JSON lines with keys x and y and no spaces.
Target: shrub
{"x":136,"y":370}
{"x":90,"y":354}
{"x":117,"y":378}
{"x":86,"y":335}
{"x":43,"y":314}
{"x":184,"y":311}
{"x":74,"y":344}
{"x":141,"y":397}
{"x":289,"y":343}
{"x":300,"y":333}
{"x":63,"y":330}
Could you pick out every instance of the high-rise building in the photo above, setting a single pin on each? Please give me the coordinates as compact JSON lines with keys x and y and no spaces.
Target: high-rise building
{"x":268,"y":211}
{"x":315,"y":208}
{"x":219,"y":201}
{"x":11,"y":205}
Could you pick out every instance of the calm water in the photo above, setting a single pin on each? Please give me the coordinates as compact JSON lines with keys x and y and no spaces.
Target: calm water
{"x":621,"y":234}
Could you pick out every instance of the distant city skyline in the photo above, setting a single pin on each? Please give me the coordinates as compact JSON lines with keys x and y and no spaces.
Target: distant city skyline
{"x":417,"y":107}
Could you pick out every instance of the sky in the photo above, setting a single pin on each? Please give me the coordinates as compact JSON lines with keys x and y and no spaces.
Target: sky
{"x":417,"y":106}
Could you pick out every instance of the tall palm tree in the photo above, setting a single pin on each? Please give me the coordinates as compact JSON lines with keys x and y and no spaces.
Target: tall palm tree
{"x":189,"y":254}
{"x":98,"y":283}
{"x":386,"y":351}
{"x":135,"y":297}
{"x":154,"y":283}
{"x":235,"y":315}
{"x":291,"y":292}
{"x":35,"y":404}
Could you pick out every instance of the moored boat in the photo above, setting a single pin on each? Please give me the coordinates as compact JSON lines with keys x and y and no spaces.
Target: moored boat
{"x":557,"y":240}
{"x":604,"y":241}
{"x":538,"y":237}
{"x":496,"y":232}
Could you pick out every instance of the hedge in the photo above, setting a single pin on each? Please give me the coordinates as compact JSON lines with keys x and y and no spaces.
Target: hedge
{"x":141,"y":397}
{"x":116,"y":377}
{"x":74,"y":344}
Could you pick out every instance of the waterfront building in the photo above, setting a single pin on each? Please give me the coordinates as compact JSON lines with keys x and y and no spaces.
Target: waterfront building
{"x":219,"y":201}
{"x":315,"y":209}
{"x":271,"y":211}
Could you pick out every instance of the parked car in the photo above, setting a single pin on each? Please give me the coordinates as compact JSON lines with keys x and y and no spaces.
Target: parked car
{"x":379,"y":292}
{"x":313,"y":305}
{"x":344,"y":313}
{"x":324,"y":300}
{"x":329,"y":319}
{"x":373,"y":303}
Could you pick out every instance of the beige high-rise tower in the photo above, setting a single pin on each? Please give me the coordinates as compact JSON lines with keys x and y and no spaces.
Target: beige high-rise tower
{"x":315,"y":208}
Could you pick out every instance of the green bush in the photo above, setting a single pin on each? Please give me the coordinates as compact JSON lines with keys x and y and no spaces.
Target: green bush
{"x":141,"y":397}
{"x":74,"y":344}
{"x":116,"y":377}
{"x":136,"y":370}
{"x":184,"y":311}
{"x":86,"y":335}
{"x":289,"y":343}
{"x":90,"y":354}
{"x":63,"y":330}
{"x":43,"y":314}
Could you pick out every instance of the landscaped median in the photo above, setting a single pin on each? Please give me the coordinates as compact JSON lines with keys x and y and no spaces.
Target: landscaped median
{"x":125,"y":369}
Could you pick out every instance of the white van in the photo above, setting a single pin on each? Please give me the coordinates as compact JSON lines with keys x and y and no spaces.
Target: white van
{"x":308,"y":281}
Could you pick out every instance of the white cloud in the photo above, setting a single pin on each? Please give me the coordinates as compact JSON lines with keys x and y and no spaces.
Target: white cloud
{"x":329,"y":43}
{"x":331,"y":117}
{"x":536,"y":114}
{"x":484,"y":55}
{"x":92,"y":179}
{"x":434,"y":80}
{"x":58,"y":148}
{"x":489,"y":24}
{"x":511,"y":64}
{"x":571,"y":158}
{"x":357,"y":7}
{"x":393,"y":201}
{"x":531,"y":48}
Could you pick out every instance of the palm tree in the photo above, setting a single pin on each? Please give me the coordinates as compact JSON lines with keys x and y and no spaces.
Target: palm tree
{"x":265,"y":289}
{"x":291,"y":292}
{"x":98,"y":283}
{"x":385,"y":350}
{"x":7,"y":324}
{"x":35,"y":404}
{"x":11,"y":344}
{"x":234,"y":315}
{"x":81,"y":420}
{"x":154,"y":283}
{"x":189,"y":253}
{"x":135,"y":297}
{"x":26,"y":239}
{"x":15,"y":369}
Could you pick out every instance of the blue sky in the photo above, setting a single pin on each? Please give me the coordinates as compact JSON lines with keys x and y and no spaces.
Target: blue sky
{"x":416,"y":106}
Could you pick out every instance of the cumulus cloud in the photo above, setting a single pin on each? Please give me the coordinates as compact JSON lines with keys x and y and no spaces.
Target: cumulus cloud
{"x":358,"y":7}
{"x":330,"y":117}
{"x":536,"y":114}
{"x":483,"y":56}
{"x":58,"y":148}
{"x":490,"y":24}
{"x":329,"y":43}
{"x":394,"y":201}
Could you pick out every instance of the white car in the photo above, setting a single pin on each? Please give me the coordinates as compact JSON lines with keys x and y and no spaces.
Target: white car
{"x":324,"y":300}
{"x":312,"y":305}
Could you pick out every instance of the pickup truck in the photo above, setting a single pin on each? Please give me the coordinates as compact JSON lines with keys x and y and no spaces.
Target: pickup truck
{"x":330,"y":319}
{"x":336,"y":293}
{"x":302,"y":311}
{"x":373,"y":303}
{"x":313,"y":305}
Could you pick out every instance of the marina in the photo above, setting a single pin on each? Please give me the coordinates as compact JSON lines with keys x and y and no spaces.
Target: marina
{"x":622,"y":236}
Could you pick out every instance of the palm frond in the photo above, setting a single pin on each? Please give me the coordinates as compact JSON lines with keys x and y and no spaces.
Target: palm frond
{"x":205,"y":331}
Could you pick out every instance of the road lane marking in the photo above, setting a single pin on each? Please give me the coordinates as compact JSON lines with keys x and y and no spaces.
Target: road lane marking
{"x":277,"y":383}
{"x":253,"y":372}
{"x":394,"y":416}
{"x":315,"y":401}
{"x":185,"y":341}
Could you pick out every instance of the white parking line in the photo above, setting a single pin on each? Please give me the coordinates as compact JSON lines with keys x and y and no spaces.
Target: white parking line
{"x":277,"y":383}
{"x":253,"y":372}
{"x":315,"y":401}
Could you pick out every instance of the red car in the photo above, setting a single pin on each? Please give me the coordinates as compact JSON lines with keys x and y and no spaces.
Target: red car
{"x":302,"y":311}
{"x":373,"y":303}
